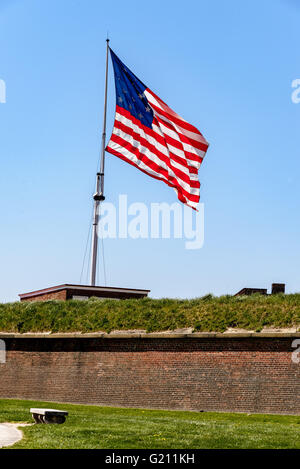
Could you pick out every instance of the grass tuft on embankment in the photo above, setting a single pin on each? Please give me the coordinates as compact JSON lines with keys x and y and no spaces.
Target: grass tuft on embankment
{"x":202,"y":314}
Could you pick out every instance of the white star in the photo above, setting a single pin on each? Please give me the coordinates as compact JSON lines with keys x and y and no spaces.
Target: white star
{"x":130,"y":107}
{"x":124,"y":91}
{"x":120,"y":99}
{"x":140,"y":115}
{"x":141,"y":95}
{"x":147,"y":109}
{"x":133,"y":99}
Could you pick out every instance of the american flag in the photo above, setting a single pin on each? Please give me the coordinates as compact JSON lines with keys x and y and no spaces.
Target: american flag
{"x":149,"y":135}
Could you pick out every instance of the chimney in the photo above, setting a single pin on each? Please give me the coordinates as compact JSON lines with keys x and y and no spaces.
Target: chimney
{"x":278,"y":288}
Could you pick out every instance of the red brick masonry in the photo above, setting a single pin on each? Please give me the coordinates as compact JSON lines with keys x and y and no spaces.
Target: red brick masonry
{"x":210,"y":373}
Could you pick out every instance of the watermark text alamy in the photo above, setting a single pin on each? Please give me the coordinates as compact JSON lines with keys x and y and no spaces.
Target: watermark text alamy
{"x":157,"y":221}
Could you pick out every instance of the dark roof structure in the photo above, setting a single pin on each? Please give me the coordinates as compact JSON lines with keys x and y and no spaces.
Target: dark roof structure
{"x":82,"y":292}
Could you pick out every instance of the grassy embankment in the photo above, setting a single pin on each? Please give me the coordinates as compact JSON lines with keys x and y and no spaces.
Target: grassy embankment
{"x":202,"y":314}
{"x":110,"y":428}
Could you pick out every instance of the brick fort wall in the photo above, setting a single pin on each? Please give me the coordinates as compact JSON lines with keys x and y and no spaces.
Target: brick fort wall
{"x":239,"y":374}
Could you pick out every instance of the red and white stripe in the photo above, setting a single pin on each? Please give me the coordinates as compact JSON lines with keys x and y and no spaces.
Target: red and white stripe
{"x":171,"y":151}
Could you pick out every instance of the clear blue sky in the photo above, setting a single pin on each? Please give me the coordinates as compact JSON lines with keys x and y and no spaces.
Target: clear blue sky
{"x":226,"y":67}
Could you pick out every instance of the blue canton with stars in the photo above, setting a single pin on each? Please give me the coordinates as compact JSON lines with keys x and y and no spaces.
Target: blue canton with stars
{"x":130,"y":92}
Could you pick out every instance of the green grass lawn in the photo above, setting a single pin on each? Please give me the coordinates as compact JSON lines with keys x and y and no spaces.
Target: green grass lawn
{"x":202,"y":314}
{"x":112,"y":428}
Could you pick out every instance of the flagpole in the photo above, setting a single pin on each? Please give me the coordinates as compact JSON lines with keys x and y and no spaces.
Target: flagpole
{"x":99,"y":194}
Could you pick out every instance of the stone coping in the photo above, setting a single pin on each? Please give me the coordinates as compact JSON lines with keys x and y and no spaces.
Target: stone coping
{"x":151,"y":335}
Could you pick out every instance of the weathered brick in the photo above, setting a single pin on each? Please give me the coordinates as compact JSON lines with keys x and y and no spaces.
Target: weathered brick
{"x":210,"y":374}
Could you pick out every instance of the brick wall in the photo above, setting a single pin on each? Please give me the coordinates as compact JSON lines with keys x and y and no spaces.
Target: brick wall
{"x":243,"y":374}
{"x":59,"y":295}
